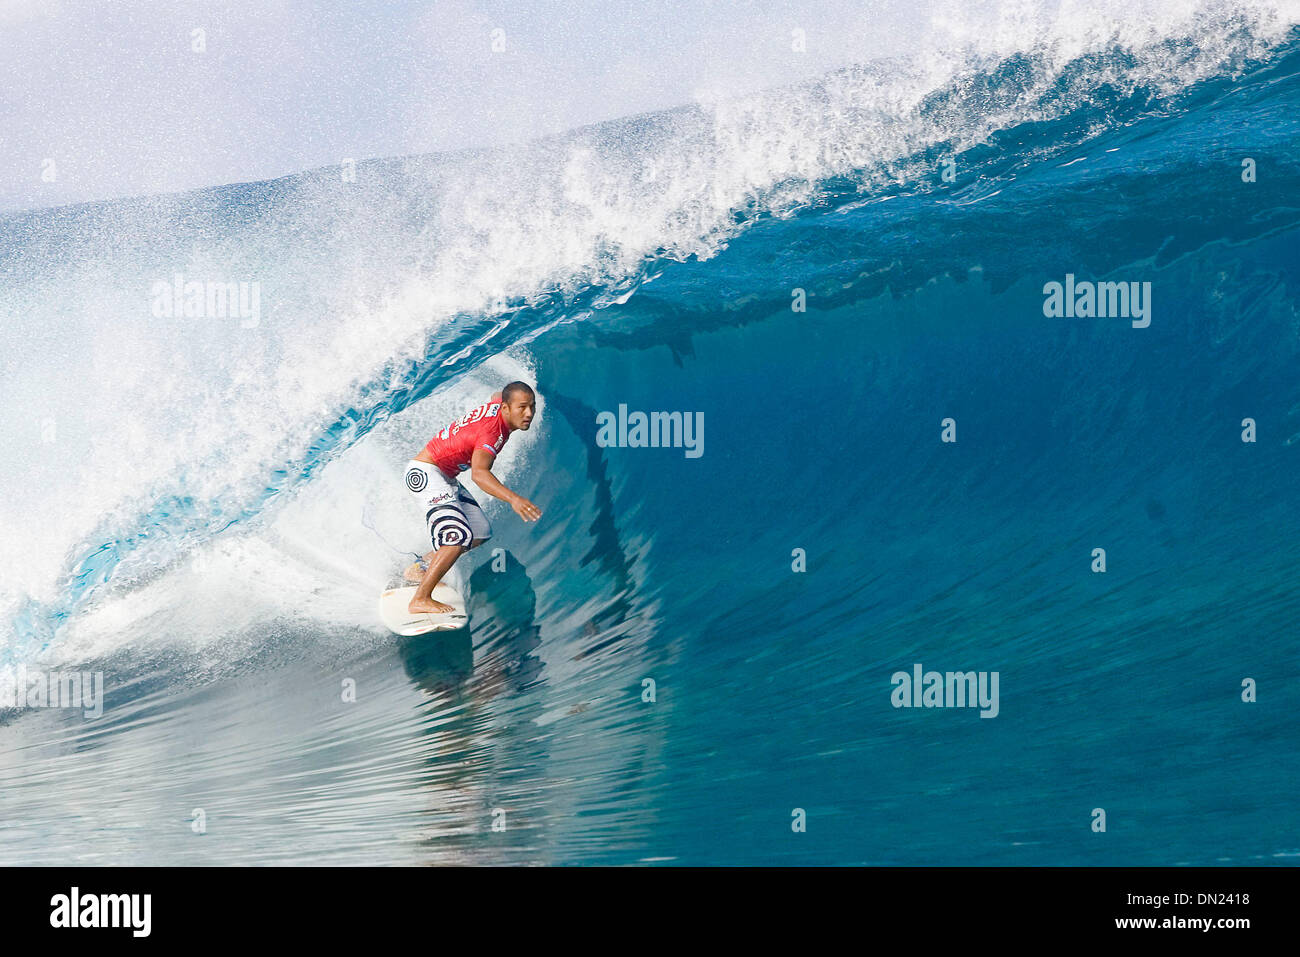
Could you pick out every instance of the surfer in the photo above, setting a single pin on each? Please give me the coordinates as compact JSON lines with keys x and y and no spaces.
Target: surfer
{"x":456,"y":522}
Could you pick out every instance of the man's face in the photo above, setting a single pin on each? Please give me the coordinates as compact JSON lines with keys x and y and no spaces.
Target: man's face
{"x":520,"y":411}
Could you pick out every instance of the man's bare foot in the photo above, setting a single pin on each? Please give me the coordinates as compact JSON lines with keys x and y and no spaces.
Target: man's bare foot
{"x":414,"y":573}
{"x":423,"y":606}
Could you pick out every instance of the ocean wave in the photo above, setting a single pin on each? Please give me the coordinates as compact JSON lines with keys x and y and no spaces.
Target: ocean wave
{"x":139,"y":439}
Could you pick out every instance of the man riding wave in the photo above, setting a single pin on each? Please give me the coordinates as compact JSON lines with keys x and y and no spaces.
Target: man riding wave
{"x":456,"y":522}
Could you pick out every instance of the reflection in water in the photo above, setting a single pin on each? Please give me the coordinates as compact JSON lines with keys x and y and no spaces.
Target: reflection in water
{"x":505,"y":604}
{"x":476,"y":729}
{"x":440,"y":661}
{"x":606,"y":549}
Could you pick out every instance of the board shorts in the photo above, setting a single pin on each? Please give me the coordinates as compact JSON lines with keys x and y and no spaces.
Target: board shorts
{"x":451,"y":513}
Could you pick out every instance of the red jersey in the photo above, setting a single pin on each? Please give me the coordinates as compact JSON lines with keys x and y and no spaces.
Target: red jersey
{"x":483,"y":428}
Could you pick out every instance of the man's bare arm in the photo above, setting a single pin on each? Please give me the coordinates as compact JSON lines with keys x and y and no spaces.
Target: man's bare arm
{"x":481,"y":470}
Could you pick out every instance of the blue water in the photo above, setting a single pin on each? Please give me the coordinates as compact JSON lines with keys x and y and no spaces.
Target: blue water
{"x":1119,"y":690}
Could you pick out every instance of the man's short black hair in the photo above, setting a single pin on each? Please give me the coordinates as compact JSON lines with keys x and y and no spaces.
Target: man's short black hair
{"x":513,"y":389}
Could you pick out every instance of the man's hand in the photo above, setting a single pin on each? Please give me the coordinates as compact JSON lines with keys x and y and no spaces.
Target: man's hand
{"x":481,"y":470}
{"x":526,"y":509}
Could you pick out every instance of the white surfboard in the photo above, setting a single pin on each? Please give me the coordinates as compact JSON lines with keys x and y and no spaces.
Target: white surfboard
{"x":392,"y":610}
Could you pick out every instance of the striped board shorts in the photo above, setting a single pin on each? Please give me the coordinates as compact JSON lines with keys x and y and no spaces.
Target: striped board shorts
{"x":451,"y":513}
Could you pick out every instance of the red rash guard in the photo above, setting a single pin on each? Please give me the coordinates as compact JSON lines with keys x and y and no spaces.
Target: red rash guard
{"x":484,"y":428}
